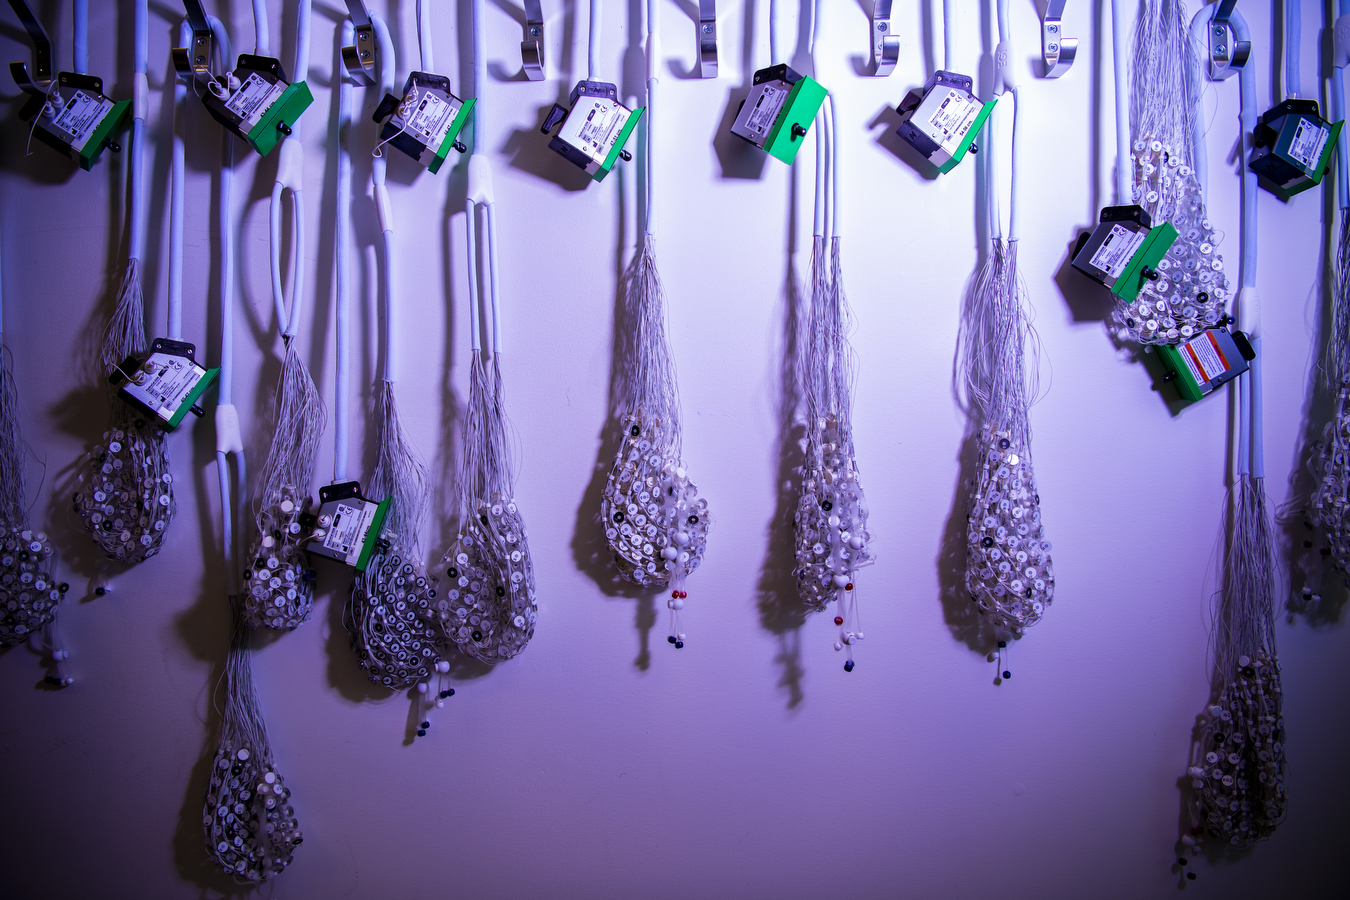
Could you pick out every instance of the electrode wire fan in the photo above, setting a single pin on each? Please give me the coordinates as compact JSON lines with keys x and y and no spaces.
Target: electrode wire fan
{"x":1329,"y":506}
{"x":1009,"y":572}
{"x":830,"y":525}
{"x":489,"y":608}
{"x":1238,"y":763}
{"x":125,"y":498}
{"x":279,"y":583}
{"x":655,"y":523}
{"x":1189,"y":290}
{"x":389,"y":613}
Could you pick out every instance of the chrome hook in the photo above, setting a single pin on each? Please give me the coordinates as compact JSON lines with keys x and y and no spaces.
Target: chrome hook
{"x":707,"y":38}
{"x":41,"y":79}
{"x":1226,"y":53}
{"x":532,"y":48}
{"x":360,"y":60}
{"x":885,"y":43}
{"x":1057,"y":50}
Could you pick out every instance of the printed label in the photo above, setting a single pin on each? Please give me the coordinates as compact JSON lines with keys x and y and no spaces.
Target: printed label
{"x":1308,"y":143}
{"x":428,"y":117}
{"x":1204,"y":358}
{"x":593,"y":126}
{"x":163,"y":383}
{"x":766,"y":109}
{"x":1117,"y":250}
{"x":948,"y":124}
{"x":80,"y":116}
{"x":347,"y":534}
{"x":254,"y":98}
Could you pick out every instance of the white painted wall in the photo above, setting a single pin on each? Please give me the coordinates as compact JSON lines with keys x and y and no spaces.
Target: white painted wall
{"x":602,"y":763}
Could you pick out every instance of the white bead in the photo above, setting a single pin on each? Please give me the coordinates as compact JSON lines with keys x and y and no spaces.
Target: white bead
{"x":838,"y":646}
{"x":1188,"y":840}
{"x":834,"y":521}
{"x":1244,"y":661}
{"x":855,"y":542}
{"x":851,"y":639}
{"x":680,"y":636}
{"x":680,"y":473}
{"x":422,"y":687}
{"x":861,"y":635}
{"x":682,"y":538}
{"x":669,"y":552}
{"x":677,"y":603}
{"x":287,"y":506}
{"x":840,"y":580}
{"x":440,"y":704}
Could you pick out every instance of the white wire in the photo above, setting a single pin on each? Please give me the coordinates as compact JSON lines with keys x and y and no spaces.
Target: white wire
{"x":342,"y":292}
{"x":424,"y":35}
{"x":1124,"y":189}
{"x":593,"y":43}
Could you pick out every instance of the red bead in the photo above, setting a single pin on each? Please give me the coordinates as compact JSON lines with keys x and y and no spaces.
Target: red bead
{"x":674,"y":595}
{"x":839,"y":620}
{"x":683,"y":595}
{"x":849,"y":586}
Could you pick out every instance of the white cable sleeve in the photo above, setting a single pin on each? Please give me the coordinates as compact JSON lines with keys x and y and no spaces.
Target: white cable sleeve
{"x":229,"y":437}
{"x":424,"y":35}
{"x":480,"y":178}
{"x":593,"y":43}
{"x":1124,"y":177}
{"x":262,"y":42}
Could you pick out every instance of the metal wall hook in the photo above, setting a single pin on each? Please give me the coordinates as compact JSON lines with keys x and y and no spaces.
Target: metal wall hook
{"x":41,"y":78}
{"x":532,"y":48}
{"x":707,"y":38}
{"x":360,"y":60}
{"x":885,"y":43}
{"x":1057,"y":50}
{"x":1227,"y":54}
{"x":194,"y":61}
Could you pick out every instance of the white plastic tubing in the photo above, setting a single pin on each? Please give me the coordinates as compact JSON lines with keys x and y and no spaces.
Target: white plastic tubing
{"x":382,"y":207}
{"x":140,"y":100}
{"x":1340,"y":56}
{"x":342,"y":241}
{"x":480,"y":183}
{"x":80,"y":13}
{"x":1004,"y":83}
{"x":1119,"y":42}
{"x":653,"y":52}
{"x":290,"y":172}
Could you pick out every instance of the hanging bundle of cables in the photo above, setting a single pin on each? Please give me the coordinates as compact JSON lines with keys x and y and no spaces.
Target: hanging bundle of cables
{"x":1330,"y":506}
{"x":125,"y":502}
{"x":1158,"y":171}
{"x":654,"y":520}
{"x":830,"y":525}
{"x":28,"y":594}
{"x":1237,"y":764}
{"x":389,"y":614}
{"x":1008,"y":568}
{"x":279,"y":592}
{"x":489,"y":609}
{"x":249,"y":823}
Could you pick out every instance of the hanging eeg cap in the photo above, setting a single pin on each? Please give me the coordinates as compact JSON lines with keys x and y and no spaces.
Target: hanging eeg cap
{"x":489,"y":608}
{"x":279,"y":583}
{"x":125,"y":502}
{"x":655,"y":523}
{"x":389,"y":610}
{"x":1009,"y":573}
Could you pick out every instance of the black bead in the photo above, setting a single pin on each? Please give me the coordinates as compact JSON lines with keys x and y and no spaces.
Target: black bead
{"x":1190,"y":875}
{"x":1007,"y":674}
{"x":1003,"y":643}
{"x":693,"y":520}
{"x":826,"y":505}
{"x":635,"y":431}
{"x":1181,"y":860}
{"x":444,"y":694}
{"x":477,"y":635}
{"x":1003,"y":443}
{"x":679,"y":645}
{"x":100,"y":591}
{"x":63,"y":587}
{"x":483,"y":518}
{"x":421,"y":733}
{"x":848,"y":666}
{"x":618,"y":517}
{"x":450,"y":693}
{"x":501,"y":591}
{"x":671,"y":639}
{"x":452,"y":572}
{"x":426,"y":724}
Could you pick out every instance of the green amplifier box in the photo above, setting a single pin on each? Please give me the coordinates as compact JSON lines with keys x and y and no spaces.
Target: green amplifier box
{"x":347,"y":527}
{"x":1293,"y":145}
{"x":426,"y":122}
{"x":263,"y":107}
{"x":940,"y":120}
{"x":594,"y":131}
{"x":167,"y":384}
{"x":1123,"y":251}
{"x":779,"y":111}
{"x":1210,"y":359}
{"x":75,"y":119}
